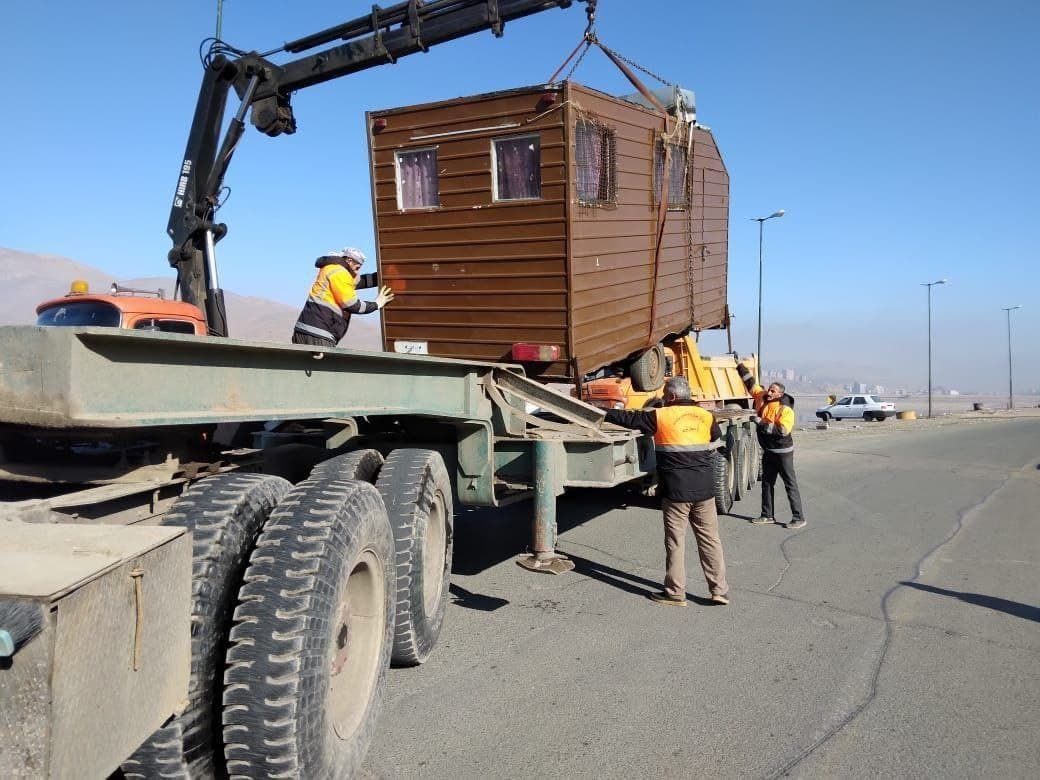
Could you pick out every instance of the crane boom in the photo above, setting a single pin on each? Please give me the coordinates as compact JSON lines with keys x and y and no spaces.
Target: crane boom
{"x":265,"y":89}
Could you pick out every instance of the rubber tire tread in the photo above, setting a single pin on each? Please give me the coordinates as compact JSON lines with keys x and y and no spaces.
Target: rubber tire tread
{"x":362,"y":465}
{"x":408,"y":482}
{"x":754,"y":459}
{"x":277,"y":678}
{"x":644,"y":379}
{"x":225,"y":513}
{"x":738,"y":450}
{"x":723,"y":496}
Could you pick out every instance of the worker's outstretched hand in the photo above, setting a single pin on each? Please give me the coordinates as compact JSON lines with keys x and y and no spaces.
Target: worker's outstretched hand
{"x":384,"y":297}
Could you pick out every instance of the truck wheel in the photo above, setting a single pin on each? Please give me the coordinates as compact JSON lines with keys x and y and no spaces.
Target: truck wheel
{"x":417,"y":493}
{"x":738,"y":454}
{"x":362,"y":465}
{"x":225,"y":513}
{"x":312,"y":635}
{"x":749,"y":461}
{"x":756,"y":460}
{"x":723,"y":482}
{"x":647,"y":370}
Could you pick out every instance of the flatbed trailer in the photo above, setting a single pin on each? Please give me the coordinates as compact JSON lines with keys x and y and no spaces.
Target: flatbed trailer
{"x":108,"y":433}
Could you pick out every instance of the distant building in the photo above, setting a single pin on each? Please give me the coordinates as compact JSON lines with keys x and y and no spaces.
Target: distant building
{"x":789,"y":374}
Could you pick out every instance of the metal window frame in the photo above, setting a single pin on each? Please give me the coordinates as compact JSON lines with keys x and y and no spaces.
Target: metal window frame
{"x":397,"y":177}
{"x":656,"y":181}
{"x":607,"y":133}
{"x":494,"y":167}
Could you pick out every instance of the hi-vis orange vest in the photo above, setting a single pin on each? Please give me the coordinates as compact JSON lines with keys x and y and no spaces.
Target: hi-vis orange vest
{"x":683,"y":429}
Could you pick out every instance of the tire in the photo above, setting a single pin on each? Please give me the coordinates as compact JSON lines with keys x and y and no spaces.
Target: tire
{"x":881,"y":417}
{"x":647,"y":371}
{"x":868,"y":416}
{"x":723,"y":483}
{"x":750,"y":449}
{"x":362,"y":465}
{"x":417,"y":493}
{"x":319,"y":582}
{"x":738,"y":453}
{"x":225,"y":513}
{"x":756,"y":468}
{"x":825,"y":416}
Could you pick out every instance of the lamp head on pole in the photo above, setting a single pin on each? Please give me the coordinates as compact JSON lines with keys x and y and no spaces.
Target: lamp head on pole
{"x":774,"y":215}
{"x":937,"y":281}
{"x":1011,"y":308}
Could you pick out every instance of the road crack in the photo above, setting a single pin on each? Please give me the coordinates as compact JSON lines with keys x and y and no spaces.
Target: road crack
{"x":890,"y":626}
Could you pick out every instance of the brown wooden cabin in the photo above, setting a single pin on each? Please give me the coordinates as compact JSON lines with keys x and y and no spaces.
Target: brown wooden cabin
{"x":531,"y":217}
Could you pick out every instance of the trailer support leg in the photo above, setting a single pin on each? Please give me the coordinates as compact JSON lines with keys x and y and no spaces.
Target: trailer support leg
{"x":543,"y":556}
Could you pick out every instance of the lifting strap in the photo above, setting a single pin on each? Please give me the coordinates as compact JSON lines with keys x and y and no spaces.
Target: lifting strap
{"x":587,"y":42}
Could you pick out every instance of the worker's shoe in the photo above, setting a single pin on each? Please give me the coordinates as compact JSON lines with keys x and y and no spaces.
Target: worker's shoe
{"x":794,"y":525}
{"x":722,"y":599}
{"x":763,"y":520}
{"x":667,"y":600}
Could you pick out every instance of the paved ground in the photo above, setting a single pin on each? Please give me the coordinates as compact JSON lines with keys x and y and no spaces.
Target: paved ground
{"x":898,"y":634}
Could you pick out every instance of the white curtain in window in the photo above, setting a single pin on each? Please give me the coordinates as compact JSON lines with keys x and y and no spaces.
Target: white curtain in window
{"x":589,"y":143}
{"x":417,"y":172}
{"x":518,"y":168}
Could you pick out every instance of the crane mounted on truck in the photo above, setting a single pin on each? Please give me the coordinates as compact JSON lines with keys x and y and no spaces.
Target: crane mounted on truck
{"x":265,"y":90}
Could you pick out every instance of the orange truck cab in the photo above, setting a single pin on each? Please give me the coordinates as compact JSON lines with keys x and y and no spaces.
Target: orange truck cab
{"x":121,"y":308}
{"x":716,"y":378}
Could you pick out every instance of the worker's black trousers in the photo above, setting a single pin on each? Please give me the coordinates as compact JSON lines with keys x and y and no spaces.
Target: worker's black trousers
{"x":315,"y":341}
{"x":782,"y":464}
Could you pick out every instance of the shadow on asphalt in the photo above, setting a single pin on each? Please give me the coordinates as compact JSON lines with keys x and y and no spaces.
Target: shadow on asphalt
{"x":623,"y":580}
{"x":478,"y":601}
{"x":1013,"y":608}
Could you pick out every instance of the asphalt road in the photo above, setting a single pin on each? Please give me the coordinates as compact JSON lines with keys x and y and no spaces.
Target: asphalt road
{"x":897,"y":635}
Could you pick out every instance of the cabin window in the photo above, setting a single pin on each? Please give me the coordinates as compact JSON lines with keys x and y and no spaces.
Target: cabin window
{"x":595,"y":149}
{"x":516,"y":164}
{"x":417,"y":179}
{"x":678,"y":179}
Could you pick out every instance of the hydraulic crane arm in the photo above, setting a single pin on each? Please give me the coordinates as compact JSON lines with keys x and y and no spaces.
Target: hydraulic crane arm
{"x":381,"y":37}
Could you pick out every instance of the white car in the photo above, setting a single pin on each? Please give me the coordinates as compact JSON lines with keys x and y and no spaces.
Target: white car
{"x":860,"y":407}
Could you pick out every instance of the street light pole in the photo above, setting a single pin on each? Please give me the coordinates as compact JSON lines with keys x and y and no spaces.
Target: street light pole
{"x":929,"y":285}
{"x":760,"y":221}
{"x":1011,"y":387}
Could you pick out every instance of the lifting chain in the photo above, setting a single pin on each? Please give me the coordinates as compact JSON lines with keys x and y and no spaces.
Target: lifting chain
{"x":634,"y":64}
{"x":577,"y":62}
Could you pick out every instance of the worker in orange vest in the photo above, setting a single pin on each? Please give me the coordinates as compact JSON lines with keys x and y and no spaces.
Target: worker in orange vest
{"x":775,"y":411}
{"x":685,"y":437}
{"x":333,"y":298}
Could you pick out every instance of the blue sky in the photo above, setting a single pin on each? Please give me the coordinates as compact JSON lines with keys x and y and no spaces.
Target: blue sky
{"x":899,"y":136}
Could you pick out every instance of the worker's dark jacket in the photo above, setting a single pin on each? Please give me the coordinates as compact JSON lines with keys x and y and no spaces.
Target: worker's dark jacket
{"x":776,"y":418}
{"x":332,"y":299}
{"x":685,"y":437}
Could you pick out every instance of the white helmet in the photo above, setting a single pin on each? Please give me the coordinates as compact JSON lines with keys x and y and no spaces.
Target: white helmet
{"x":347,"y":253}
